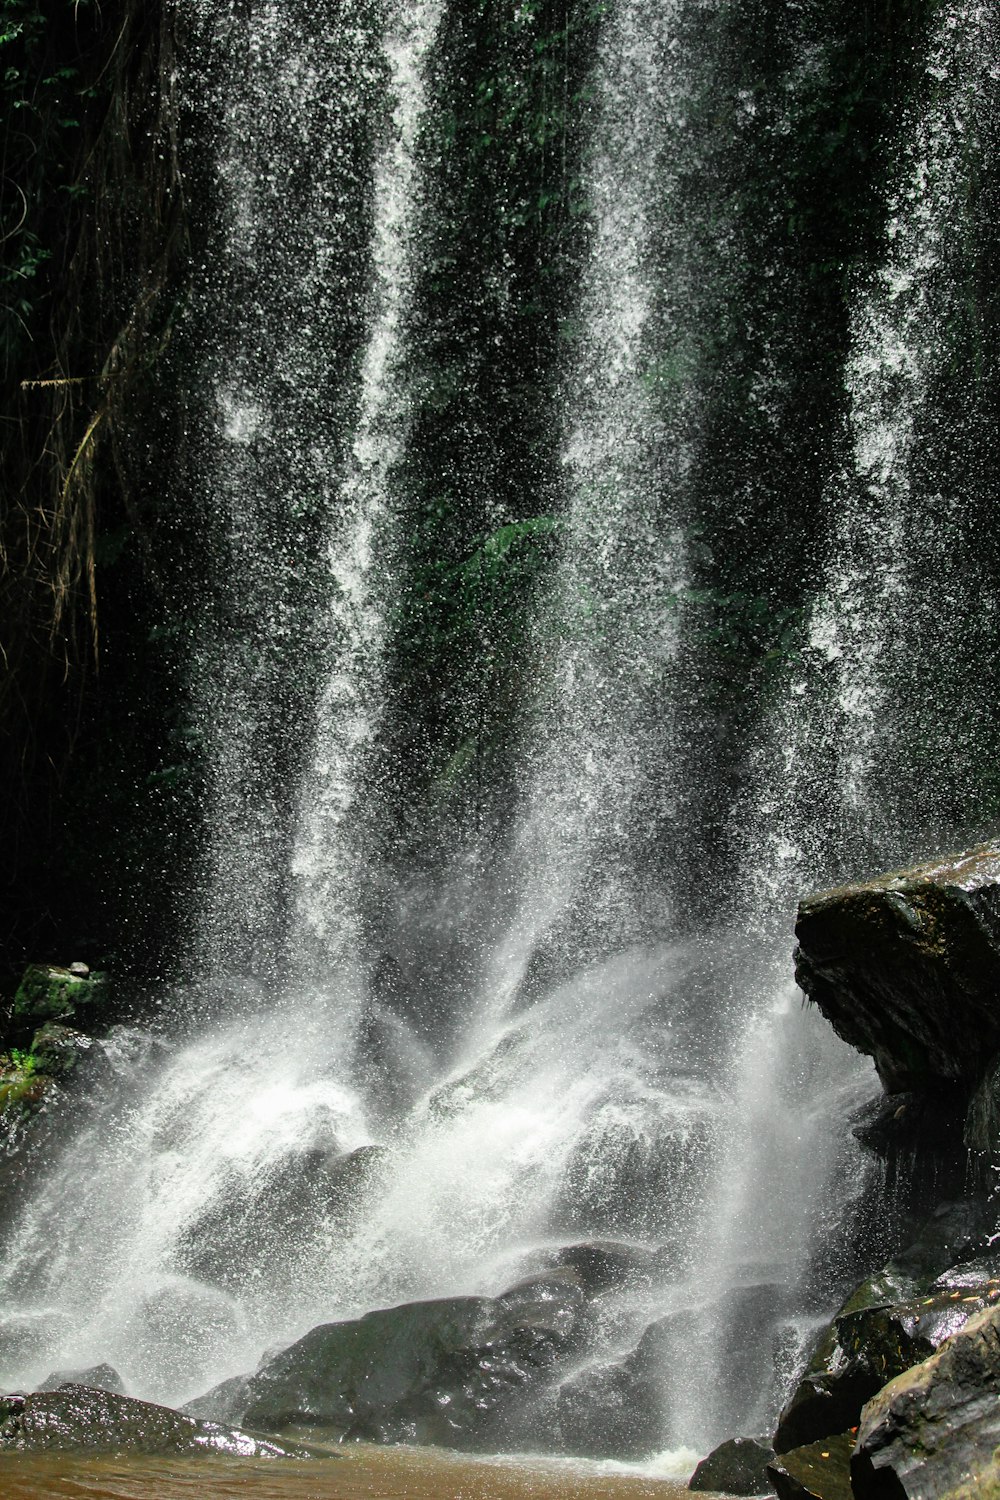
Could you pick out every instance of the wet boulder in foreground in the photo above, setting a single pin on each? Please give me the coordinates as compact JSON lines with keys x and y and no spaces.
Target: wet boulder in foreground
{"x":621,"y":1409}
{"x":736,"y":1467}
{"x":454,"y":1371}
{"x":906,"y":968}
{"x":79,"y":1418}
{"x":819,"y":1471}
{"x":933,"y":1432}
{"x":891,"y":1322}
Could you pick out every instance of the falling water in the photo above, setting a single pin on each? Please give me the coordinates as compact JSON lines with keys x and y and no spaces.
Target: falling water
{"x":618,"y":1064}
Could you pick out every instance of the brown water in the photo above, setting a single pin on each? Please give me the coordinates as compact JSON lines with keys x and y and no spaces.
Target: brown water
{"x":356,"y":1473}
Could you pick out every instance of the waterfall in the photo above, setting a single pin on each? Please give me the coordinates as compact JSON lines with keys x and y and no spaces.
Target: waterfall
{"x":715,"y":711}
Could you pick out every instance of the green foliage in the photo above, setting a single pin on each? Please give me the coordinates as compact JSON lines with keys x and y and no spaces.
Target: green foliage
{"x":42,"y":88}
{"x":447,"y":600}
{"x":22,"y":1082}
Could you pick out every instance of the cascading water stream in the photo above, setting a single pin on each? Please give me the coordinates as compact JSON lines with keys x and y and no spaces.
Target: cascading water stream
{"x":619,"y":1067}
{"x":329,"y":867}
{"x":200,"y":1132}
{"x":838,"y":721}
{"x":610,"y":613}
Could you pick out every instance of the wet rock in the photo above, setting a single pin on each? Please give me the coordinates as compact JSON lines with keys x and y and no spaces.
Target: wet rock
{"x":981,"y":1128}
{"x":820,"y":1471}
{"x":27,"y":1337}
{"x":957,"y":1232}
{"x":101,"y":1377}
{"x":638,"y":1170}
{"x":621,"y":1409}
{"x":935,"y":1429}
{"x":50,"y":993}
{"x":736,"y":1467}
{"x":452,"y":1372}
{"x":255,"y":1220}
{"x":79,"y":1418}
{"x":894,"y":1320}
{"x":906,"y":968}
{"x":608,"y":1265}
{"x":69,"y":1055}
{"x":610,"y":1410}
{"x":747,"y":1328}
{"x":225,"y":1402}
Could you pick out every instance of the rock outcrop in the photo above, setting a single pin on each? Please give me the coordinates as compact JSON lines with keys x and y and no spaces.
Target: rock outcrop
{"x":906,"y":968}
{"x":893,"y":1321}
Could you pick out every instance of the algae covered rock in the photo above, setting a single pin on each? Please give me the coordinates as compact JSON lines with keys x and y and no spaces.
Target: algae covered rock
{"x":48,"y":992}
{"x":79,"y":1418}
{"x":935,"y":1428}
{"x":906,"y":968}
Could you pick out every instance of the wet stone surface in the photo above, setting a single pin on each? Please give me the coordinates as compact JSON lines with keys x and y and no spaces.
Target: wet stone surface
{"x":79,"y":1418}
{"x":451,"y":1371}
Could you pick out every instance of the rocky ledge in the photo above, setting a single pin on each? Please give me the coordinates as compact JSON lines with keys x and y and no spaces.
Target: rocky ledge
{"x":906,"y":968}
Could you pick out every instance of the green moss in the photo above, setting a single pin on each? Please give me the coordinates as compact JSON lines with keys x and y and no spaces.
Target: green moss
{"x":23,"y":1085}
{"x":49,"y":993}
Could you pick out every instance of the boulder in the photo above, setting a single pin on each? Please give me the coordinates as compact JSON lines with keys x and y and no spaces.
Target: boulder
{"x":933,"y":1431}
{"x":736,"y":1467}
{"x":622,"y":1409}
{"x":79,"y":1418}
{"x":454,"y":1372}
{"x":894,"y":1320}
{"x":609,"y":1265}
{"x":610,"y":1410}
{"x":48,"y":992}
{"x":638,"y":1170}
{"x":906,"y":968}
{"x":100,"y":1377}
{"x":819,"y":1471}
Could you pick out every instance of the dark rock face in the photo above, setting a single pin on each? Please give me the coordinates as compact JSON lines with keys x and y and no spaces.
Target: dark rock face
{"x":637,"y":1179}
{"x":452,"y":1372}
{"x":893,"y":1321}
{"x":933,"y":1431}
{"x":820,"y":1471}
{"x":100,"y":1377}
{"x":906,"y":968}
{"x":736,"y":1467}
{"x":608,"y":1265}
{"x":80,"y":1418}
